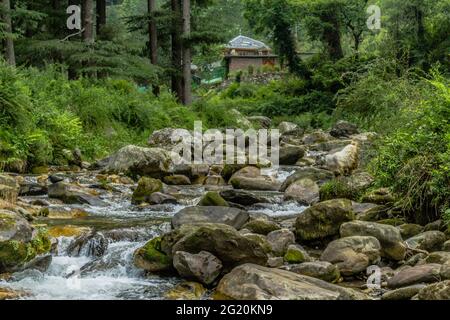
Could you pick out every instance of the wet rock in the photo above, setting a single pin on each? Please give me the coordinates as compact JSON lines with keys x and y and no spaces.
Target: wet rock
{"x":10,"y":294}
{"x":352,"y":255}
{"x":213,"y":198}
{"x":139,"y":161}
{"x":215,"y":180}
{"x":32,"y":189}
{"x":289,"y":154}
{"x":405,"y":293}
{"x":55,"y":178}
{"x":186,"y":291}
{"x":253,"y":282}
{"x":343,"y":129}
{"x":146,"y":187}
{"x":280,"y":240}
{"x":296,"y":254}
{"x":409,"y":230}
{"x":89,"y":244}
{"x":177,"y":180}
{"x":67,"y":231}
{"x":388,"y":236}
{"x":242,"y":197}
{"x":304,"y":191}
{"x":41,"y":263}
{"x":315,"y":174}
{"x":152,"y":258}
{"x":203,"y":266}
{"x":261,"y":226}
{"x":221,"y":240}
{"x":323,"y":219}
{"x":225,"y":215}
{"x":418,"y":274}
{"x":322,"y":270}
{"x":437,"y":291}
{"x":72,"y":194}
{"x":428,"y":241}
{"x":162,"y":198}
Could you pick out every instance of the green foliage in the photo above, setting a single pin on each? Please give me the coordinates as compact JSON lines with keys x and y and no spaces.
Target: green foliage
{"x":414,"y":159}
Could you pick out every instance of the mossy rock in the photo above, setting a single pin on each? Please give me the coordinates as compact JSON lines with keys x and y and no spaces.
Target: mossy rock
{"x":213,"y":198}
{"x":409,"y":230}
{"x":323,"y":219}
{"x":294,"y":255}
{"x":13,"y":253}
{"x":146,"y":187}
{"x":40,"y":170}
{"x":261,"y":226}
{"x":186,"y":291}
{"x":393,"y":221}
{"x":151,"y":258}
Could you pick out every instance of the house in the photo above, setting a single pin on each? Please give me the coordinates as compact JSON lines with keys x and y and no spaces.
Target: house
{"x":242,"y":52}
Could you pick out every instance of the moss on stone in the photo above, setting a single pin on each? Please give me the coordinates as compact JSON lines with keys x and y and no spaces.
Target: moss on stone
{"x":146,"y":187}
{"x":151,"y":257}
{"x":294,"y":256}
{"x":213,"y":198}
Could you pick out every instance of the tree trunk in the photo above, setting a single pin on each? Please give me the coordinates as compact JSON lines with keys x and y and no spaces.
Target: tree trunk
{"x":177,"y":48}
{"x":9,"y":42}
{"x":187,"y":76}
{"x":101,"y":15}
{"x":88,"y":21}
{"x":153,"y":39}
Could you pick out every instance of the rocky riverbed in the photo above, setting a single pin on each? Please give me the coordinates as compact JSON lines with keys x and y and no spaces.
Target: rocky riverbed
{"x":135,"y":226}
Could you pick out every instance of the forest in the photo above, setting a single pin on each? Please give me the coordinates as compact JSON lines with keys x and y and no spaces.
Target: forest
{"x":91,"y":89}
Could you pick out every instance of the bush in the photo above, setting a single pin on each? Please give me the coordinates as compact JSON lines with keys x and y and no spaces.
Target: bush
{"x":414,"y":159}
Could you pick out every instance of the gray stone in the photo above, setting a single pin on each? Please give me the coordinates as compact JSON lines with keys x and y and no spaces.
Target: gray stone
{"x":203,"y":266}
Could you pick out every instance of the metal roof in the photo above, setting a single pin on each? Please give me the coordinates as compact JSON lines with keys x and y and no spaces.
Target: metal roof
{"x":243,"y":42}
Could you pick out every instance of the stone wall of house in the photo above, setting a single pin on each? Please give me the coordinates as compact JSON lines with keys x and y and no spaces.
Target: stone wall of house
{"x":242,"y":63}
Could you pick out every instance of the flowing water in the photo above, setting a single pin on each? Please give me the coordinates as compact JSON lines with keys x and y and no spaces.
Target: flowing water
{"x":126,"y":228}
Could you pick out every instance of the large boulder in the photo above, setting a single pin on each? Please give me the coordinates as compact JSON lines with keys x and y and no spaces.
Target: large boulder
{"x":405,"y":293}
{"x":317,"y":269}
{"x":389,"y":236}
{"x":139,"y":161}
{"x":210,"y":214}
{"x":151,"y":258}
{"x":343,"y":129}
{"x":425,"y":273}
{"x":323,"y":219}
{"x":343,"y":162}
{"x":20,"y":243}
{"x":436,"y":291}
{"x":243,"y":197}
{"x":253,"y":282}
{"x":263,"y":183}
{"x":145,"y":188}
{"x":177,"y":180}
{"x":203,"y":266}
{"x":409,"y":230}
{"x":289,"y":154}
{"x":304,"y":191}
{"x":315,"y":174}
{"x":429,"y":241}
{"x":352,"y":255}
{"x":221,"y":240}
{"x":72,"y":194}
